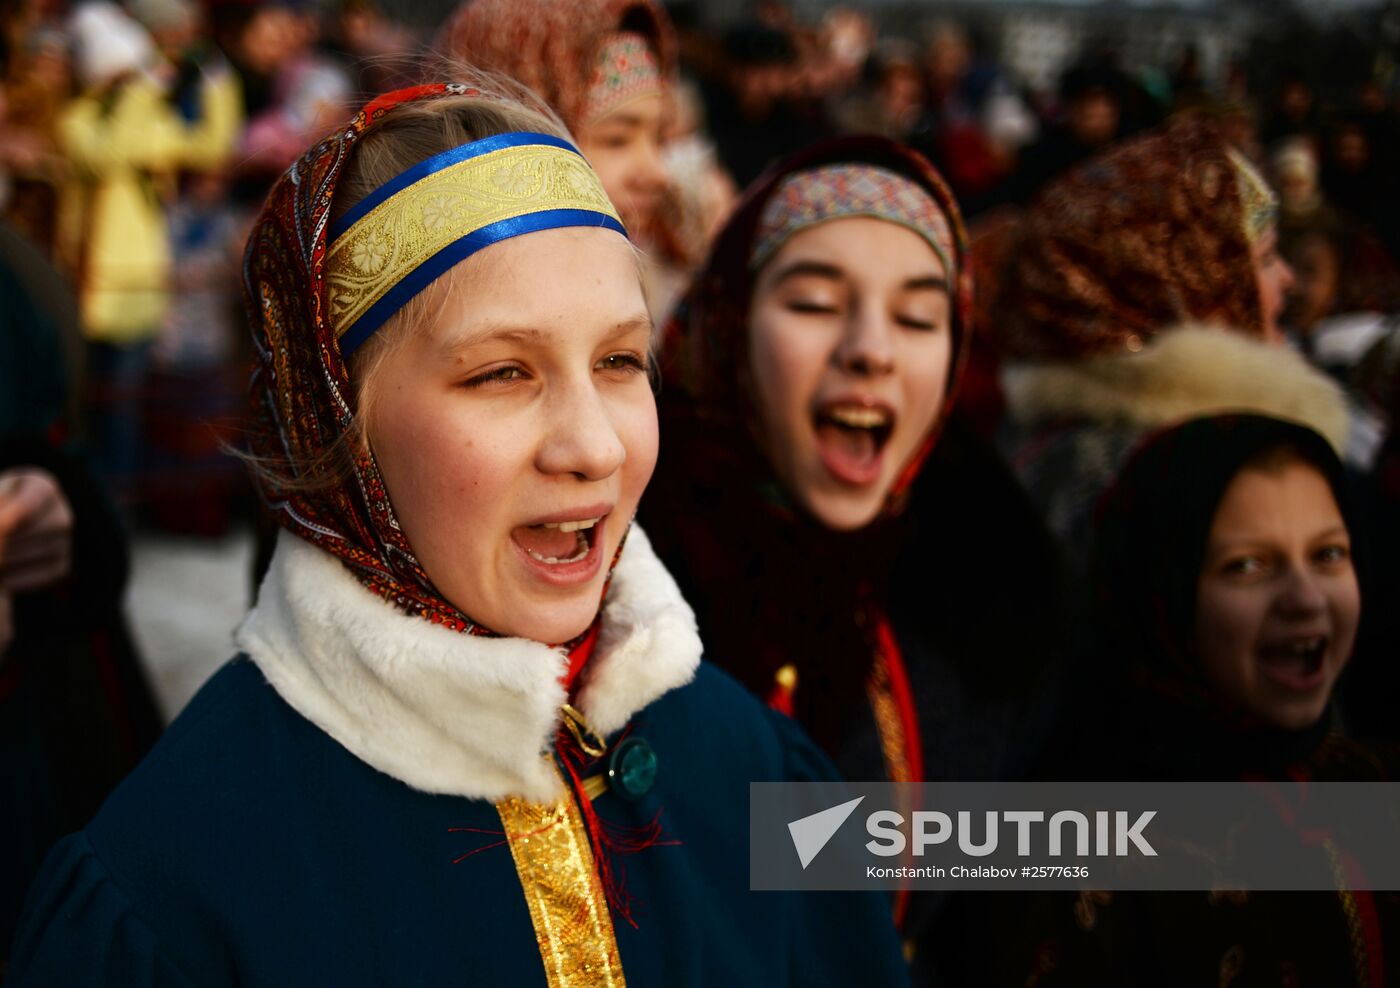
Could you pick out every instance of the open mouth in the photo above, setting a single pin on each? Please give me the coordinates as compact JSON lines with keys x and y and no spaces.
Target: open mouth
{"x":851,"y":438}
{"x":559,"y":543}
{"x":1296,"y":663}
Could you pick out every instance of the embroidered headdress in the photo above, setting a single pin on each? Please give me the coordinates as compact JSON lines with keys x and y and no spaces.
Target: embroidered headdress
{"x":846,"y":189}
{"x":625,"y":69}
{"x":584,"y":58}
{"x":316,"y":288}
{"x":396,"y":241}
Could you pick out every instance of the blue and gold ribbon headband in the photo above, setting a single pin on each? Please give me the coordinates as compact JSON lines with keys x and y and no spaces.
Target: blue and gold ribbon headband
{"x":398,"y":239}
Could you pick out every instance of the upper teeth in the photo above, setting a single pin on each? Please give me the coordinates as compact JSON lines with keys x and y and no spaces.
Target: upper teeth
{"x":1306,"y":645}
{"x":859,"y":417}
{"x":571,"y":526}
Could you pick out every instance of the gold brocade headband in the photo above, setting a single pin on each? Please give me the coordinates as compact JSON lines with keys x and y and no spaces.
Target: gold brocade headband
{"x":393,"y":243}
{"x":1258,"y":201}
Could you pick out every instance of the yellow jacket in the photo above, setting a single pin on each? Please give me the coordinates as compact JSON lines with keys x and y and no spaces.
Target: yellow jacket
{"x":124,"y":148}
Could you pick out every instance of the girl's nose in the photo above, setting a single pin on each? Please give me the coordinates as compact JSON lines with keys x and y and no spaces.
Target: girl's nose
{"x":1302,"y":594}
{"x":580,"y":437}
{"x":650,"y":174}
{"x":867,"y":348}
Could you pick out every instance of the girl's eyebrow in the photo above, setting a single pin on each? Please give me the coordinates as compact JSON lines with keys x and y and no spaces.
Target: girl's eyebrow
{"x":492,"y":331}
{"x":810,"y":269}
{"x":823,"y":269}
{"x":532,"y":336}
{"x":640,"y":323}
{"x":625,"y":118}
{"x":1261,"y":541}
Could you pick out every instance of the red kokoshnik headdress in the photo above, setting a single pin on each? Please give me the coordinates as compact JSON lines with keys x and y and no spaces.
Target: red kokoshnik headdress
{"x":299,"y":270}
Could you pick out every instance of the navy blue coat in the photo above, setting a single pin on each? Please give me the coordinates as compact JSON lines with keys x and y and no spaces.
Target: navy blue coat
{"x":250,"y":848}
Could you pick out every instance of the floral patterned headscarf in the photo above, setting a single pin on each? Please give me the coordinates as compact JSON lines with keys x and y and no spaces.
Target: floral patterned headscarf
{"x":1144,"y":237}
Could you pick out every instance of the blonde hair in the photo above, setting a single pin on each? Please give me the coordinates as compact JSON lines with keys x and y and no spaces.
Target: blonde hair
{"x":409,"y":134}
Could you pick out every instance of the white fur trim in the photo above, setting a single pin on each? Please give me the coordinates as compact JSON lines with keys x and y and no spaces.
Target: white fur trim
{"x":448,"y":712}
{"x":648,"y":639}
{"x":1183,"y":373}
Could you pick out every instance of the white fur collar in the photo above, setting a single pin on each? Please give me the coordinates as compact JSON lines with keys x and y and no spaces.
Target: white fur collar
{"x":1182,"y":373}
{"x":453,"y":713}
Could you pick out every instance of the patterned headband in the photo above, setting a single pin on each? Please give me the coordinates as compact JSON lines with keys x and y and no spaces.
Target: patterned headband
{"x":834,"y":192}
{"x":398,"y":239}
{"x":626,"y":69}
{"x":1259,"y":202}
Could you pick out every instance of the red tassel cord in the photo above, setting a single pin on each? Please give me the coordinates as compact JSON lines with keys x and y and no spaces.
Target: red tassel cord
{"x":781,"y":696}
{"x":485,"y":847}
{"x":903,"y":695}
{"x":609,"y":840}
{"x":579,"y":656}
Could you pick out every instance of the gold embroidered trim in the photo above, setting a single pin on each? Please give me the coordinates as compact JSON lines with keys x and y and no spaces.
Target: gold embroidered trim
{"x":1356,"y":936}
{"x":1257,"y":200}
{"x":386,"y":244}
{"x":565,"y":896}
{"x":588,"y":740}
{"x":888,"y":721}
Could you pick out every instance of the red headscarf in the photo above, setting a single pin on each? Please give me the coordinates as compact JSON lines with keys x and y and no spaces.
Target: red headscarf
{"x":774,"y":587}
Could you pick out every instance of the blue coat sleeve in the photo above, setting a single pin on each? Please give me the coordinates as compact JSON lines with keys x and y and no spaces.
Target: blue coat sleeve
{"x":840,"y":938}
{"x":79,"y":928}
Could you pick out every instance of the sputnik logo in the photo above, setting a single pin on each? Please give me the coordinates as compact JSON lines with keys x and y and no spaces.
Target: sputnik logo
{"x":812,"y":833}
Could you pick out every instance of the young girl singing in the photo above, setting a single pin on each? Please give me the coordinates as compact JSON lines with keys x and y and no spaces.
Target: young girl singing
{"x":406,"y":778}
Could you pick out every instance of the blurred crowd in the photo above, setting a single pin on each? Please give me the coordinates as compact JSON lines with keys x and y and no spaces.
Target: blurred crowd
{"x":137,"y":142}
{"x":135,"y":145}
{"x":1115,"y":224}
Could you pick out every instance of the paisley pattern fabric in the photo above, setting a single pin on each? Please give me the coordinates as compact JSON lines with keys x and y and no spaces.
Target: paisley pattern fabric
{"x":1147,"y":236}
{"x":300,"y":388}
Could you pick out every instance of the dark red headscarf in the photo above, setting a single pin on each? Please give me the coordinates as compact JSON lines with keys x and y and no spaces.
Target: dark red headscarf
{"x":773,"y":586}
